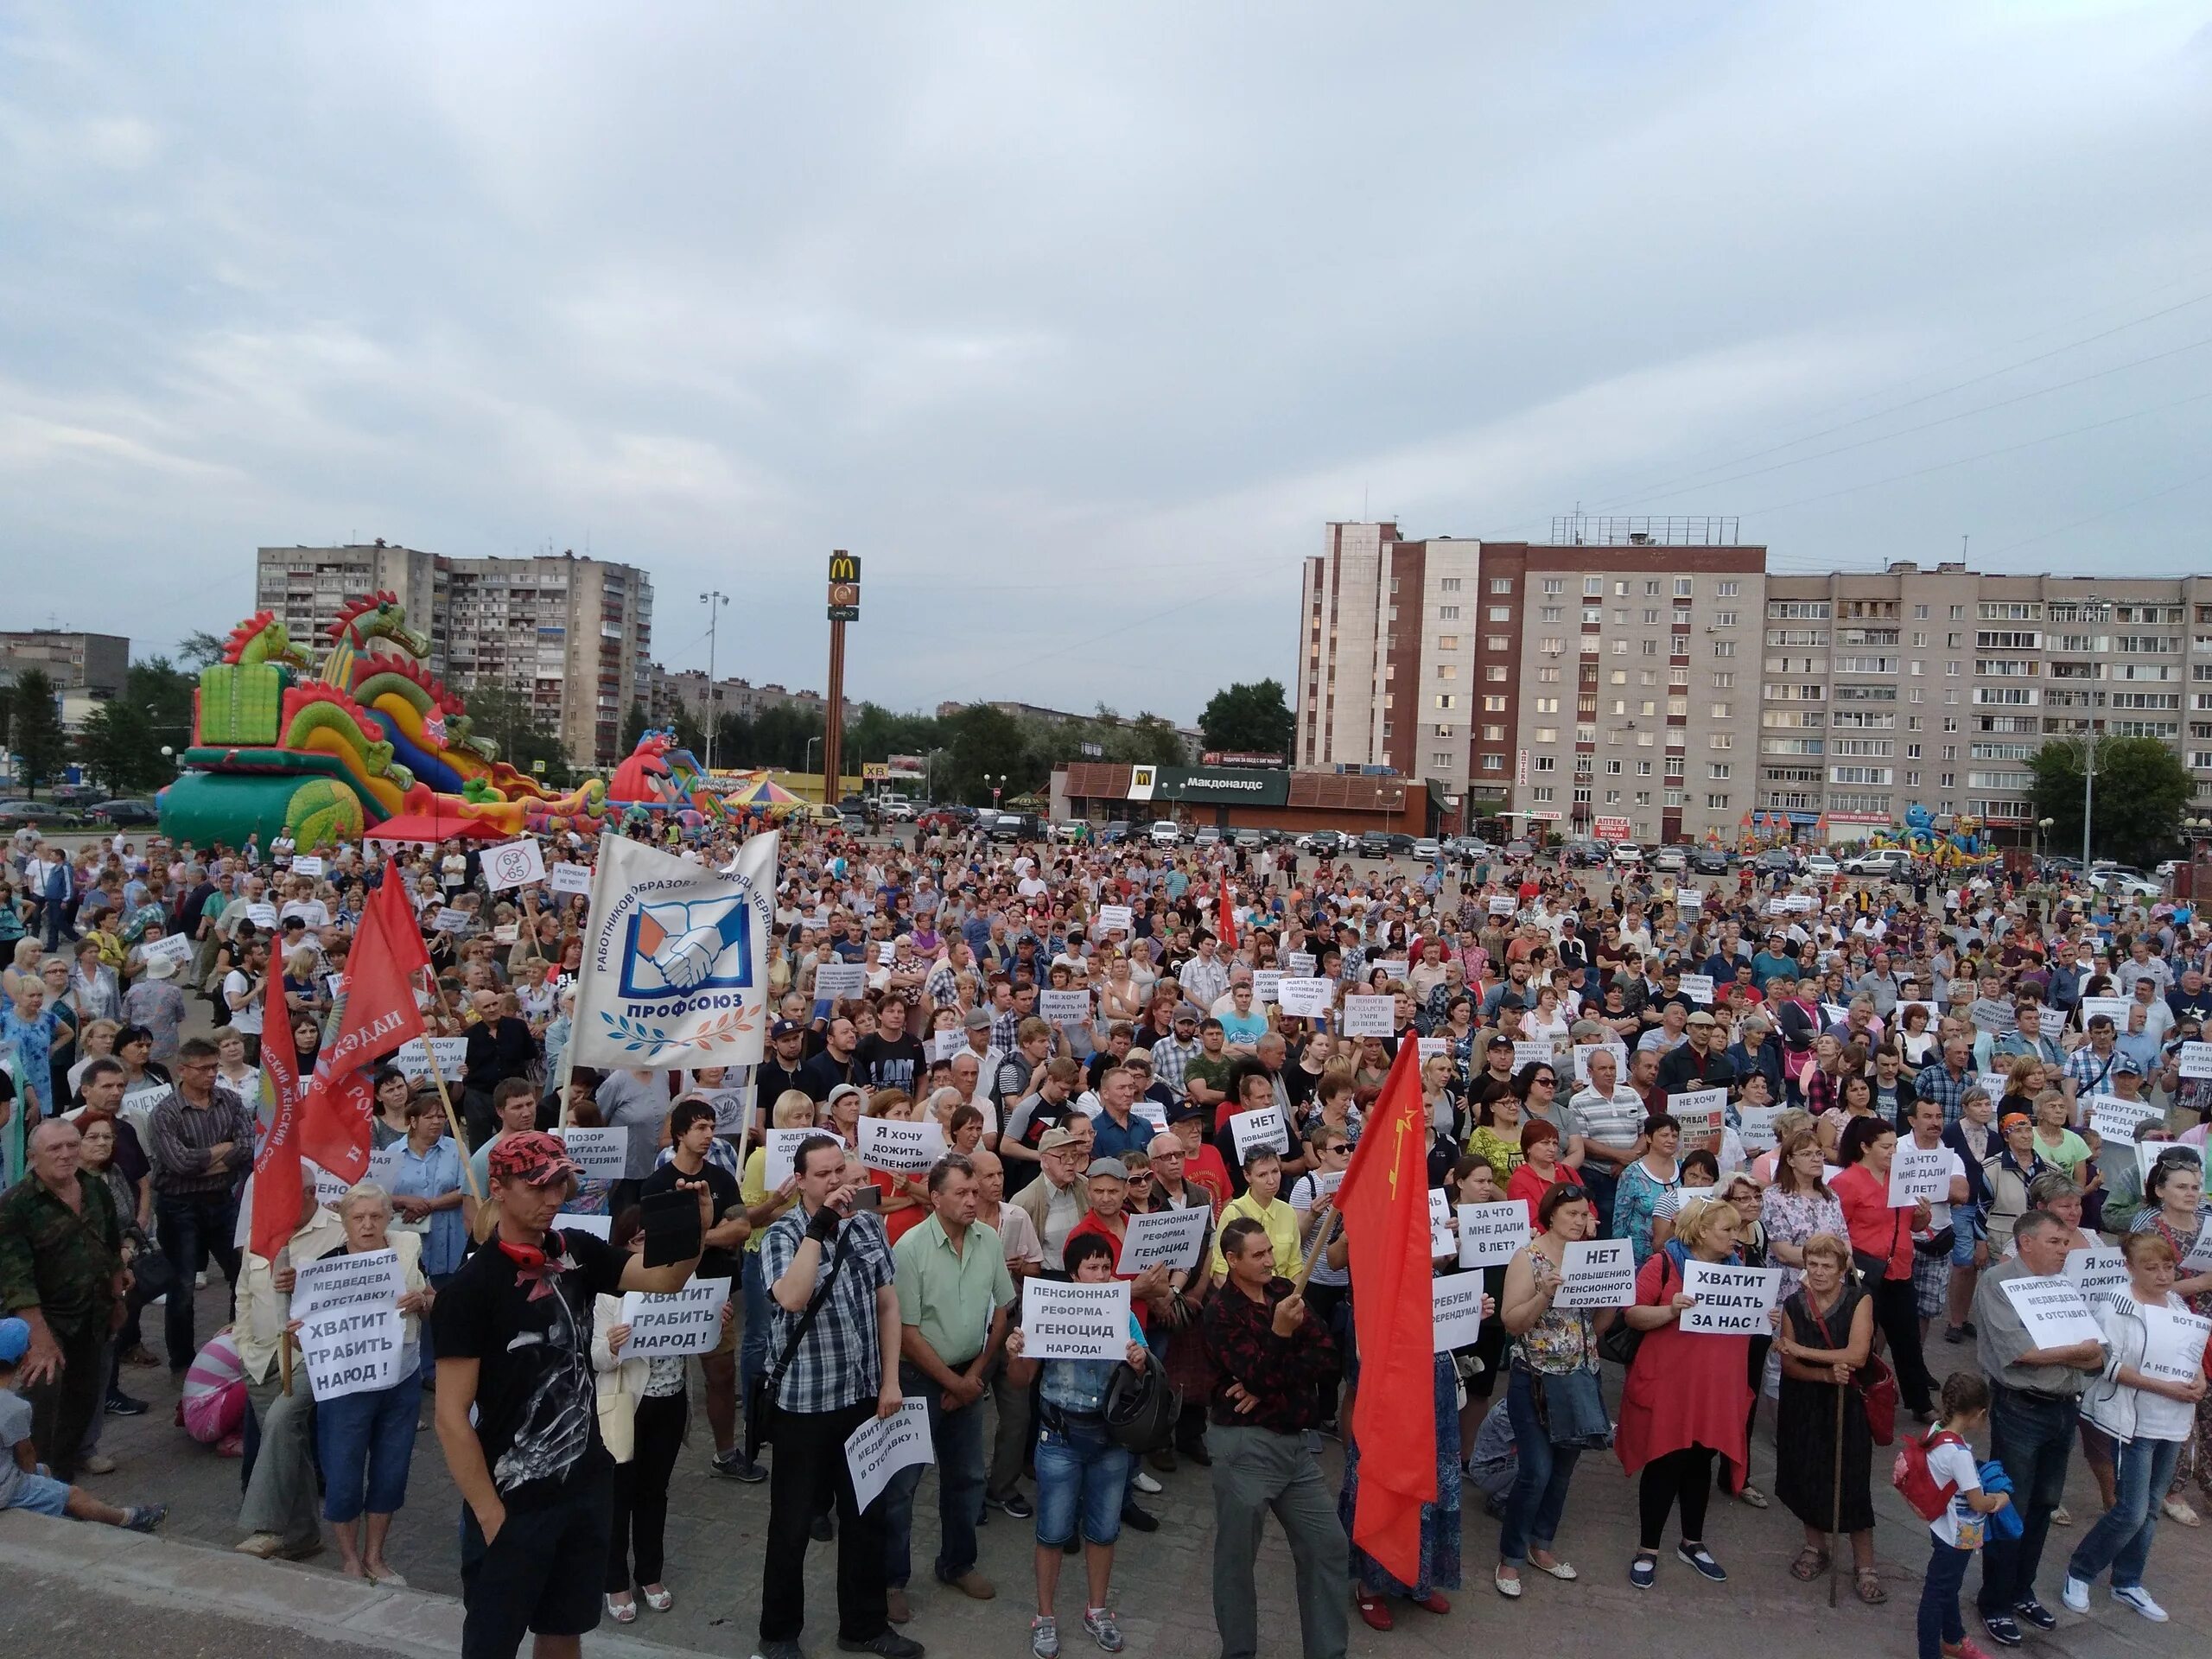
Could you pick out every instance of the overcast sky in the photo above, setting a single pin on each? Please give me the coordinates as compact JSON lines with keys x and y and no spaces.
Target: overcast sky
{"x":1078,"y":322}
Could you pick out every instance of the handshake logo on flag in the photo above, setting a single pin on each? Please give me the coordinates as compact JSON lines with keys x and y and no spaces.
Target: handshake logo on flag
{"x":681,"y":947}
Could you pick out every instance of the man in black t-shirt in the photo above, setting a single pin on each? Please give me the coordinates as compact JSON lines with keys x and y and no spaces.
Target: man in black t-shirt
{"x":778,"y":1072}
{"x":690,"y":1134}
{"x":513,"y":1332}
{"x":890,"y":1057}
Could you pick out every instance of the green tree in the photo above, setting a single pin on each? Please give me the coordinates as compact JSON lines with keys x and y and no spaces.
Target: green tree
{"x":634,"y":721}
{"x":1157,"y":742}
{"x":35,"y":731}
{"x":164,"y":691}
{"x":1253,"y":719}
{"x":120,"y":747}
{"x":198,"y":648}
{"x":2142,"y":792}
{"x":502,"y":715}
{"x":985,"y":743}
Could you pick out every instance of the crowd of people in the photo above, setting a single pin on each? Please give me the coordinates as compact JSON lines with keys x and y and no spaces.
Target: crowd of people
{"x":1714,"y":1073}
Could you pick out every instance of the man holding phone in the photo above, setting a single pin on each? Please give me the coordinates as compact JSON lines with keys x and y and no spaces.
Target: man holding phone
{"x":831,"y":1285}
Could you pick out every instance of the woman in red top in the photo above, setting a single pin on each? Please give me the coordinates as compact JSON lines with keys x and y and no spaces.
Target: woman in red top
{"x":1539,"y":1168}
{"x":1688,"y":1397}
{"x":1881,"y":1248}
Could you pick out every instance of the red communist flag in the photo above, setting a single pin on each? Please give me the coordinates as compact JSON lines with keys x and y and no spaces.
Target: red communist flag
{"x":1227,"y":915}
{"x":379,"y":1015}
{"x":276,"y":1163}
{"x":1384,"y":1203}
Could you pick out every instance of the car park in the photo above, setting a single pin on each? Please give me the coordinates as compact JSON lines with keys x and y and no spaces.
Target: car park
{"x":1206,"y":835}
{"x":1776,"y":860}
{"x":1375,"y":844}
{"x":2117,"y":882}
{"x":1017,"y":826}
{"x":896,"y":809}
{"x":1250,"y":839}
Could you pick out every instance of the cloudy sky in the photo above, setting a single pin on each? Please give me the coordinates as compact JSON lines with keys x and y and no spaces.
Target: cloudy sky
{"x":1078,"y":322}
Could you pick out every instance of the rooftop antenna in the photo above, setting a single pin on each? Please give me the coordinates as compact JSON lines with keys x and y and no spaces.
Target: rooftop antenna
{"x":1363,"y":504}
{"x":1963,"y":540}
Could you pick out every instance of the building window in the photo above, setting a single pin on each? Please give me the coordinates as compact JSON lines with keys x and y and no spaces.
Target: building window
{"x":1547,"y":733}
{"x":1494,"y":705}
{"x":1447,"y":612}
{"x":1496,"y":642}
{"x":1612,"y":768}
{"x":1448,"y":585}
{"x":1501,"y":584}
{"x":1547,"y":676}
{"x":1447,"y":642}
{"x":1724,"y":648}
{"x":1716,"y":803}
{"x":1491,"y":734}
{"x":1721,"y":740}
{"x":1493,"y":763}
{"x":1727,"y":589}
{"x":1495,"y":672}
{"x":1447,"y":670}
{"x":1501,"y":612}
{"x":1685,"y":586}
{"x":1719,"y":770}
{"x":1547,"y":763}
{"x":1551,"y":613}
{"x":1554,"y":585}
{"x":1593,"y":587}
{"x":1650,"y":646}
{"x":1724,"y":681}
{"x":1447,"y":700}
{"x":1546,"y":705}
{"x":1440,"y":759}
{"x":1542,"y":794}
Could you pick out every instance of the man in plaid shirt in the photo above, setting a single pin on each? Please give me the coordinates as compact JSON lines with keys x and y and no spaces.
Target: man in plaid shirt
{"x":1947,"y":1082}
{"x":1172,"y":1057}
{"x":835,"y":1380}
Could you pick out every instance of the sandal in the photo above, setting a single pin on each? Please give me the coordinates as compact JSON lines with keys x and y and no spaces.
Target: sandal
{"x":1870,"y":1587}
{"x":1809,"y":1564}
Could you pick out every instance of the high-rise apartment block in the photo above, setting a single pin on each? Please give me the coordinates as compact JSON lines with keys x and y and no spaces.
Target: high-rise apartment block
{"x":574,"y":635}
{"x":96,"y":664}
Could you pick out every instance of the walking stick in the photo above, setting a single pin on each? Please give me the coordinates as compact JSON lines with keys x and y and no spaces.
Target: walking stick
{"x":1835,"y":1498}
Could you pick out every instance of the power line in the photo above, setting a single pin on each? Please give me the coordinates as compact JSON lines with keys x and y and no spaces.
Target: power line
{"x":2117,"y":507}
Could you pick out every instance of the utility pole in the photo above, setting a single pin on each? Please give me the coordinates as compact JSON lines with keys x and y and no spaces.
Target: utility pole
{"x":714,"y":601}
{"x":2089,"y":792}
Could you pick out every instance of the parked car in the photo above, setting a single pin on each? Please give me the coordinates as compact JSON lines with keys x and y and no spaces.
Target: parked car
{"x":2167,"y":867}
{"x":1520,"y":847}
{"x":1676,"y":859}
{"x":1071,"y":829}
{"x":895,"y":809}
{"x":2118,"y":883}
{"x":1017,"y":826}
{"x":1324,"y":843}
{"x":1250,"y":839}
{"x":125,"y":812}
{"x":1820,"y":866}
{"x":1116,"y":830}
{"x":1206,"y":835}
{"x":1164,"y":832}
{"x":1581,"y":852}
{"x":1628,"y":855}
{"x":854,"y":824}
{"x":1708,"y":860}
{"x":1776,"y":860}
{"x":43,"y":815}
{"x":1375,"y":844}
{"x":1428,"y":850}
{"x":1881,"y":861}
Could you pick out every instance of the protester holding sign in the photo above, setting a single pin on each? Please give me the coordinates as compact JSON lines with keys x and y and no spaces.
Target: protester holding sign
{"x":1827,"y":1339}
{"x":364,"y":1439}
{"x":1685,"y":1400}
{"x":2146,"y":1400}
{"x":2037,"y":1390}
{"x":1881,"y":1248}
{"x":691,"y":1137}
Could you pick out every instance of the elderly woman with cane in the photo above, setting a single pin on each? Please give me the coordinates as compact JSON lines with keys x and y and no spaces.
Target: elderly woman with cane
{"x":1824,"y":1447}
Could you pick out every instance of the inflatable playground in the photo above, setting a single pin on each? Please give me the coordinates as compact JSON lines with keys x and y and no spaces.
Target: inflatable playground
{"x":365,"y":742}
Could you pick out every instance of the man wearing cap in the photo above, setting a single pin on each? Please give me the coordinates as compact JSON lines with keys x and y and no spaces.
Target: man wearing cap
{"x":513,"y":1331}
{"x":1060,"y":1197}
{"x":1700,"y":1063}
{"x":1172,"y":1057}
{"x":782,"y":1068}
{"x":835,"y":1063}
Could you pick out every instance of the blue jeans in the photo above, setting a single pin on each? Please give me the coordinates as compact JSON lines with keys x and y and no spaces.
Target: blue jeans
{"x":189,"y":1225}
{"x":1939,"y":1621}
{"x":1081,"y":1477}
{"x":1538,"y":1499}
{"x":366,"y":1442}
{"x":753,"y":1344}
{"x":2033,"y":1435}
{"x":959,"y":1438}
{"x":1601,"y":1182}
{"x":2121,"y":1540}
{"x":427,"y":1370}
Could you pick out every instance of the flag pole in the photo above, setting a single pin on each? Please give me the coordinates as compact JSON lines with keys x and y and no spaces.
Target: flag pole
{"x":1313,"y":1257}
{"x":437,"y":1077}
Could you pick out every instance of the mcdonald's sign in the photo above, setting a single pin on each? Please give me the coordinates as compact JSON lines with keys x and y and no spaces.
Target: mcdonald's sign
{"x":844,"y":587}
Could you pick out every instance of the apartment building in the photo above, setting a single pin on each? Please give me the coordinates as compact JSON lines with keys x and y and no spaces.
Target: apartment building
{"x":573,"y":634}
{"x":96,"y":664}
{"x":689,"y":690}
{"x":1936,"y":686}
{"x":1387,"y":654}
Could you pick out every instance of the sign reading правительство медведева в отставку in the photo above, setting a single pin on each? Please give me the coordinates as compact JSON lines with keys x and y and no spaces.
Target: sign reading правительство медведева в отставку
{"x":674,"y":958}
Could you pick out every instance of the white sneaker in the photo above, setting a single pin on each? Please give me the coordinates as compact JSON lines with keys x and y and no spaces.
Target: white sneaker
{"x":1146,"y":1484}
{"x":2075,"y":1595}
{"x":2139,"y":1598}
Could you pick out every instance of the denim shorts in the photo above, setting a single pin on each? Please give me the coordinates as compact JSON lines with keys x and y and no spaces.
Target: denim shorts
{"x":1080,"y":1473}
{"x":1967,"y":1231}
{"x":41,"y":1495}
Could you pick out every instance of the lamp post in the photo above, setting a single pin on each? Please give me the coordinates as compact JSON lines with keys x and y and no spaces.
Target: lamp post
{"x":2088,"y":791}
{"x":997,"y":784}
{"x":2043,"y":829}
{"x":811,"y":742}
{"x":714,"y":600}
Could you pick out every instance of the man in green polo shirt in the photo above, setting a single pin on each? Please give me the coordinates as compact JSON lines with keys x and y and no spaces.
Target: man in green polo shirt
{"x":954,"y":1297}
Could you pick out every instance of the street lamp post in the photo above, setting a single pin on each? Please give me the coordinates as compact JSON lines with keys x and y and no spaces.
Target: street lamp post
{"x":811,"y":742}
{"x":997,"y":784}
{"x":2088,"y":791}
{"x":714,"y":600}
{"x":2043,"y":829}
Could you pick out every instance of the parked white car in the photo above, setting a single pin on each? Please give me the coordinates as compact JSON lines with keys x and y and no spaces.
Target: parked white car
{"x":1165,"y":832}
{"x":1819,"y":866}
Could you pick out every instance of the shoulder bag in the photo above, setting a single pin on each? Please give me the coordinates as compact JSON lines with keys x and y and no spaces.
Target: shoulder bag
{"x":1876,"y":1384}
{"x":761,"y":1403}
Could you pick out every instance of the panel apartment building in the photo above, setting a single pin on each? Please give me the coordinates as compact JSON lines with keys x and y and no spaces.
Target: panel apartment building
{"x":1609,"y":673}
{"x":574,"y":634}
{"x":1936,"y":686}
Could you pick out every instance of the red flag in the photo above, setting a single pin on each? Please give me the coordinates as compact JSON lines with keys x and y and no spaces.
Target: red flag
{"x":1384,"y":1202}
{"x":276,"y":1163}
{"x":1227,"y":915}
{"x":379,"y":1015}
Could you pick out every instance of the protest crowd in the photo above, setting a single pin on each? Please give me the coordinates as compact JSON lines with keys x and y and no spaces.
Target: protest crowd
{"x":1032,"y":1176}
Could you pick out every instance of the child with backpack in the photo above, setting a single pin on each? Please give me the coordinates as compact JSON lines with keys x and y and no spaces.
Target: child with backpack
{"x":1937,"y":1474}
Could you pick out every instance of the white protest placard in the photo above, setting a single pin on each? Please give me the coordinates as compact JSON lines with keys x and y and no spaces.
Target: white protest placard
{"x":1777,"y":906}
{"x":1618,"y":1051}
{"x":1429,"y":1047}
{"x":1455,"y":1306}
{"x":335,"y":985}
{"x":1306,"y":999}
{"x":1490,"y":1233}
{"x":170,"y":947}
{"x":597,"y":1226}
{"x":1538,"y":1052}
{"x":1698,"y":1110}
{"x":2099,"y":1272}
{"x":370,"y":1279}
{"x":1071,"y":1321}
{"x":1834,"y":1012}
{"x":2113,"y":1008}
{"x":306,"y":864}
{"x":1264,"y":1127}
{"x":2056,"y":1315}
{"x":1801,"y":904}
{"x":882,"y":1447}
{"x":946,"y":1044}
{"x":666,"y":1326}
{"x":2148,"y":1154}
{"x":1439,"y":1208}
{"x":782,"y":1146}
{"x":1919,"y":1174}
{"x":2197,"y":1059}
{"x":1690,"y":898}
{"x":351,"y":1351}
{"x":384,"y":1166}
{"x":1393,"y":968}
{"x":1299,"y":964}
{"x":2114,"y":1119}
{"x":1993,"y":1083}
{"x":262,"y":916}
{"x":1370,"y":1016}
{"x":1757,"y":1131}
{"x":514,"y":864}
{"x":1503,"y":904}
{"x":1063,"y":1007}
{"x":1697,"y":988}
{"x":506,"y":934}
{"x":838,"y":981}
{"x":730,"y":1106}
{"x":900,"y":1148}
{"x":1264,"y":981}
{"x":1597,"y":1273}
{"x":413,"y":1058}
{"x":1731,"y":1301}
{"x":2174,"y":1349}
{"x":601,"y":1154}
{"x":1115,"y":919}
{"x":569,"y":877}
{"x":1171,"y":1238}
{"x":449,"y":920}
